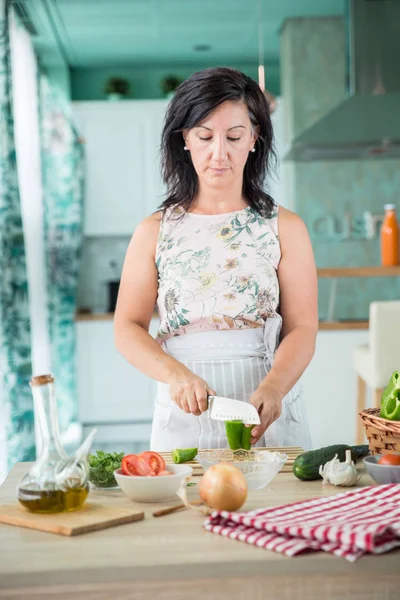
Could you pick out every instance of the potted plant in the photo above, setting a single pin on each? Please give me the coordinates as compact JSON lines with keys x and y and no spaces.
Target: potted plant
{"x":169,"y":85}
{"x":116,"y":88}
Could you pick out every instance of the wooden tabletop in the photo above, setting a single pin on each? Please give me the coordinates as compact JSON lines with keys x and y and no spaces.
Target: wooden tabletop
{"x":174,"y":553}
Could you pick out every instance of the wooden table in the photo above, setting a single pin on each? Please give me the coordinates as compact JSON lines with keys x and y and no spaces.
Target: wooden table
{"x":174,"y":558}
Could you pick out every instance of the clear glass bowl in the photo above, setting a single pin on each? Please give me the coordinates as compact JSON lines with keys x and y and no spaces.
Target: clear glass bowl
{"x":258,"y":466}
{"x":109,"y":484}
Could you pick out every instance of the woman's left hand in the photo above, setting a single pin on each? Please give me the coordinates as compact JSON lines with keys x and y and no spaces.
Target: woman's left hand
{"x":268,"y":403}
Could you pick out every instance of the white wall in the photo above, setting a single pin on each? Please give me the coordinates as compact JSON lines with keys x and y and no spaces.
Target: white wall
{"x":275,"y":182}
{"x":280,"y":184}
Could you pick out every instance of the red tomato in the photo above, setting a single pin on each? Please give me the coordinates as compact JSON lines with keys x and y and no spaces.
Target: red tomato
{"x":389,"y":459}
{"x":155,"y":462}
{"x":133,"y":464}
{"x":165,"y":473}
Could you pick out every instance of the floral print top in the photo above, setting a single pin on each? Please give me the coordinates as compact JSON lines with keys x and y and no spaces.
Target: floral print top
{"x":216,"y":271}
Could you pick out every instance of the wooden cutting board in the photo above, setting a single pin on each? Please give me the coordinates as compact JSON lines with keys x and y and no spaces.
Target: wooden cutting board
{"x":291,"y":451}
{"x":91,"y":517}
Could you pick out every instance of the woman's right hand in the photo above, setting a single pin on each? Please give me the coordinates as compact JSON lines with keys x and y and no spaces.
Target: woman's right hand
{"x":190,"y":393}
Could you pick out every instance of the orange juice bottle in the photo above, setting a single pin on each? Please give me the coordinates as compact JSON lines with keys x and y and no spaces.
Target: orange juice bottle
{"x":390,"y":237}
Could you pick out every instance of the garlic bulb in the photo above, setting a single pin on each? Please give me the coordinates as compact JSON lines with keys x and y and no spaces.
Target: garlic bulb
{"x":339,"y":473}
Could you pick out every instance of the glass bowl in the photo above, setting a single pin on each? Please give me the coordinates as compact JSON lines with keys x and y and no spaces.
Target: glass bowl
{"x":109,"y":483}
{"x":258,"y":466}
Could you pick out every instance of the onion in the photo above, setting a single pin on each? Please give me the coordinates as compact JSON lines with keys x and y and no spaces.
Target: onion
{"x":223,"y":487}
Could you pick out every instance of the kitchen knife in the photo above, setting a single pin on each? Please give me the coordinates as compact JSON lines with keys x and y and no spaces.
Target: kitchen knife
{"x":226,"y":409}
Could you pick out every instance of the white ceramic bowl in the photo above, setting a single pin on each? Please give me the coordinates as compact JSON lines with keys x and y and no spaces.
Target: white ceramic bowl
{"x":382,"y":473}
{"x":258,"y":466}
{"x":153,"y":489}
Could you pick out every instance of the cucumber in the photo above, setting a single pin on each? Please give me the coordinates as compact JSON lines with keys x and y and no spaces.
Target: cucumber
{"x":181,"y":455}
{"x":306,"y":466}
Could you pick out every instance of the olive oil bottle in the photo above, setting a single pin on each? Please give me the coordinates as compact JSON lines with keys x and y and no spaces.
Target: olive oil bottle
{"x":52,"y":500}
{"x":56,"y":482}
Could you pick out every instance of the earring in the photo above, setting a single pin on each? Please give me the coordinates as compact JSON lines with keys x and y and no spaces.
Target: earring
{"x":185,"y":148}
{"x":253,"y":150}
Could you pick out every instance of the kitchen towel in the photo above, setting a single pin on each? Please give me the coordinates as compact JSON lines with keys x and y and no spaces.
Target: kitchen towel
{"x":350,"y":524}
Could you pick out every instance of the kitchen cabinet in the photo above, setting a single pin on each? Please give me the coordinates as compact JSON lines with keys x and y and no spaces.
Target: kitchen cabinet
{"x":112,"y":395}
{"x":329,"y":387}
{"x":122,"y":176}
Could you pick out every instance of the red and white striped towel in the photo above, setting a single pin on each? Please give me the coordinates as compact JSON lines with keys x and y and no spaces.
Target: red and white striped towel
{"x":349,"y":524}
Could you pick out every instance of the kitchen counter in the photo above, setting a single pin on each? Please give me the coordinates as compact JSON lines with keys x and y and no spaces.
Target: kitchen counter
{"x":173,"y":558}
{"x":333,"y":273}
{"x":323,"y":325}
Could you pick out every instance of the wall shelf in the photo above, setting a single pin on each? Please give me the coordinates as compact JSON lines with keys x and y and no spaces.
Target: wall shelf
{"x":335,"y":273}
{"x":378,"y":271}
{"x":343,"y":325}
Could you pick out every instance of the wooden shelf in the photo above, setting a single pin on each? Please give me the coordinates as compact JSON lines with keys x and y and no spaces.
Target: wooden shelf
{"x":84,"y":316}
{"x":94,"y":316}
{"x":359,"y":272}
{"x":342,"y":325}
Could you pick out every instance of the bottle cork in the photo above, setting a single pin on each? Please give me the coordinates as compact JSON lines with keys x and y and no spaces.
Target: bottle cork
{"x":41,"y":380}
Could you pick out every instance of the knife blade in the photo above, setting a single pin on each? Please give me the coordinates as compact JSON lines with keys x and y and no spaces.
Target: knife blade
{"x":227,"y":409}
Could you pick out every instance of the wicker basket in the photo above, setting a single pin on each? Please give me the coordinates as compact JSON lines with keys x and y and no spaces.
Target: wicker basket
{"x":383,"y":435}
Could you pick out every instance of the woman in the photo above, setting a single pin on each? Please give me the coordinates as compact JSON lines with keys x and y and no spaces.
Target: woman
{"x":237,"y":301}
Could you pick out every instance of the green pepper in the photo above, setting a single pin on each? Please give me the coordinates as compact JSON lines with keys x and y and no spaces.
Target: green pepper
{"x":391,"y":407}
{"x":238,"y":435}
{"x":388,"y":398}
{"x":393,"y":384}
{"x":181,"y":455}
{"x":233,"y":431}
{"x":246,"y":437}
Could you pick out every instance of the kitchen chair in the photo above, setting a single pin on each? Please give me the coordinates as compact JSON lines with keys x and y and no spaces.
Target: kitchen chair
{"x":374,"y":363}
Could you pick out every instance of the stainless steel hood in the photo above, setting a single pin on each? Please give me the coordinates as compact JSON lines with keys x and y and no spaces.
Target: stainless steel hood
{"x":366,"y":124}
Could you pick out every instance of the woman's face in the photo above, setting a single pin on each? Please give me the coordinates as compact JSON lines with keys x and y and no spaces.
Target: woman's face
{"x":219,"y":146}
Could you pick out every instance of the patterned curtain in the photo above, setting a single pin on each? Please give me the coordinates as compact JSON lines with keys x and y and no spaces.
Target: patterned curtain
{"x":62,"y":179}
{"x":16,"y":405}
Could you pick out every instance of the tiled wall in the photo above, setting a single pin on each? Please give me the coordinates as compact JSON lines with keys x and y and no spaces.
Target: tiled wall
{"x":95,"y":270}
{"x":313,"y":66}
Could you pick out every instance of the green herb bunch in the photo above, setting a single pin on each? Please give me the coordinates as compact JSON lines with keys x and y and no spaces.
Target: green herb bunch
{"x":102,"y":467}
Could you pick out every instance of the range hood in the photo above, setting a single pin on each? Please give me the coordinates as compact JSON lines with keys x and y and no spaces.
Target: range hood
{"x":367,"y":124}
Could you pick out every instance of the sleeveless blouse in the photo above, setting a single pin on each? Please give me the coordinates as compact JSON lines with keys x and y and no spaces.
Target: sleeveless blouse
{"x":216,"y":272}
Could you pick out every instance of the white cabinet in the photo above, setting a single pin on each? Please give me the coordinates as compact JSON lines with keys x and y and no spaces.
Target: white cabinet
{"x":329,"y":386}
{"x":110,"y":390}
{"x":122,"y":182}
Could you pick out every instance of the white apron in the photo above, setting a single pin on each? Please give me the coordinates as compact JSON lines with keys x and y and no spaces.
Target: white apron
{"x":233,"y":363}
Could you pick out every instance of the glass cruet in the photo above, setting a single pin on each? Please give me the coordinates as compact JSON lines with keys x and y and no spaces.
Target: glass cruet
{"x":56,"y":482}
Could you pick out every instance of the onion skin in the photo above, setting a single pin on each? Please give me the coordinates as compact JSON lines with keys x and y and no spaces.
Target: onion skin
{"x":223,"y":487}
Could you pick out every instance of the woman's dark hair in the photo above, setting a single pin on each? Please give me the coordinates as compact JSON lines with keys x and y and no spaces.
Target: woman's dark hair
{"x":193,"y":101}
